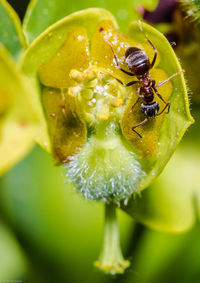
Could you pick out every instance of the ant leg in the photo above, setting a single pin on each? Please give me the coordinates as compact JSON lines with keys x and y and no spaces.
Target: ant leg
{"x":155,"y":51}
{"x":141,"y":96}
{"x":167,"y":105}
{"x":117,"y":61}
{"x":128,"y":84}
{"x":158,"y":94}
{"x":163,"y":82}
{"x":141,"y":123}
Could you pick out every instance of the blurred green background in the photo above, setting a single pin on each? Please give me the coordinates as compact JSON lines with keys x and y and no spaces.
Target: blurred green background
{"x":48,"y":233}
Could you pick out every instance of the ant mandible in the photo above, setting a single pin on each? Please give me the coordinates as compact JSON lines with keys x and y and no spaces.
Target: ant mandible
{"x":139,"y":64}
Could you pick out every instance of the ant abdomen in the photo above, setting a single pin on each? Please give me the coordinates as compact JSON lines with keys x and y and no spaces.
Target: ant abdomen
{"x":137,"y":61}
{"x":150,"y":110}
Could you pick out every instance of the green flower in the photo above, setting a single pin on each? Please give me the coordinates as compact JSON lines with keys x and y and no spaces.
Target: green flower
{"x":88,"y":118}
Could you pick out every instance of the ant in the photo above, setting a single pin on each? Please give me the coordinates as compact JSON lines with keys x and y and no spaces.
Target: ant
{"x":139,"y":64}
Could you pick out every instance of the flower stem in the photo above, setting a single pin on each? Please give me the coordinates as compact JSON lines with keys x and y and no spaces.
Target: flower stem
{"x":111,"y":259}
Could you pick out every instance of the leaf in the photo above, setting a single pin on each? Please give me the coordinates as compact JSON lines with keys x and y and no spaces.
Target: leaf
{"x":43,"y":55}
{"x":11,"y":35}
{"x":169,"y":204}
{"x":18,"y":123}
{"x":41,"y":14}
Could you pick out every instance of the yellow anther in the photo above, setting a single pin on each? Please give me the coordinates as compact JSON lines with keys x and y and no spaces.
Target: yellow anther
{"x":90,"y":84}
{"x":103,"y":116}
{"x":74,"y":91}
{"x":70,"y":92}
{"x":92,"y":73}
{"x":87,"y":93}
{"x":104,"y":113}
{"x":77,"y":76}
{"x":116,"y":102}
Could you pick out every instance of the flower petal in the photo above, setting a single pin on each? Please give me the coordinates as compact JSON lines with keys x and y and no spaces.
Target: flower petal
{"x":68,"y":39}
{"x":162,"y":134}
{"x":18,"y":122}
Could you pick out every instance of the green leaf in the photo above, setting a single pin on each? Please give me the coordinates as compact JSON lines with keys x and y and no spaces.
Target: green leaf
{"x":18,"y":122}
{"x":11,"y":35}
{"x":169,"y":204}
{"x":46,"y":47}
{"x":41,"y":14}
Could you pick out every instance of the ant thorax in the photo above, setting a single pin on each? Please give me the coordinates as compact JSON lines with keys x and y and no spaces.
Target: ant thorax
{"x":146,"y":89}
{"x":145,"y":80}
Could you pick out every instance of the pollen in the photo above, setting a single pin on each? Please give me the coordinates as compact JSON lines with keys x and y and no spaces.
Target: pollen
{"x":117,"y":102}
{"x":70,"y":92}
{"x":93,"y":72}
{"x":104,"y":113}
{"x":77,"y":76}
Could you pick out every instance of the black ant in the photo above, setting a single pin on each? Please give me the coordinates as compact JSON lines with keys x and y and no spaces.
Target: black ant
{"x":139,"y":64}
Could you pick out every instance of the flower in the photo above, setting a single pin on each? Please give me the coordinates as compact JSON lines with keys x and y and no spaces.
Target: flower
{"x":89,"y":113}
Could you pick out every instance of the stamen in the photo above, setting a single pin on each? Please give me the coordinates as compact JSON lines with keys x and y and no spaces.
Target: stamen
{"x":77,"y":76}
{"x":104,"y":113}
{"x":116,"y":102}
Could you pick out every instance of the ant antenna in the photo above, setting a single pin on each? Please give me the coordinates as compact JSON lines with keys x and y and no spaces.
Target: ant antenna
{"x":163,"y":82}
{"x":153,"y":47}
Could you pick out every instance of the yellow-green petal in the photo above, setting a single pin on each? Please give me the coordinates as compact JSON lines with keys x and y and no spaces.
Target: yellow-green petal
{"x":67,"y":132}
{"x":161,"y":135}
{"x":18,"y":122}
{"x":43,"y":53}
{"x":73,"y":54}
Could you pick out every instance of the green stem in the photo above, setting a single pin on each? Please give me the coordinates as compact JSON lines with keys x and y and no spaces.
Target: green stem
{"x":111,"y":259}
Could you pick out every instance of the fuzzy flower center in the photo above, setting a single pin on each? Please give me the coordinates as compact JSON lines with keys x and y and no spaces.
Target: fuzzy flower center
{"x":106,"y":168}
